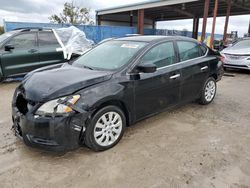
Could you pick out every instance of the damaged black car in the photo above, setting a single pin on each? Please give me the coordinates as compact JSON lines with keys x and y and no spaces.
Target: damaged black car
{"x":114,"y":85}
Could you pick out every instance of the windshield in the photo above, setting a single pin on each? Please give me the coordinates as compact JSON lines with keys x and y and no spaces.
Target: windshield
{"x":109,"y":55}
{"x":4,"y":36}
{"x":243,"y":44}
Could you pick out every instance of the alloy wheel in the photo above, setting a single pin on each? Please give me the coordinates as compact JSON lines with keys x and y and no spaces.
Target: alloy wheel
{"x":108,"y":128}
{"x":210,"y":91}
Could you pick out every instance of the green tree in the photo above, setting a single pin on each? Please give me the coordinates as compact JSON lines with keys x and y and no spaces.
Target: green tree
{"x":1,"y":30}
{"x":72,"y":14}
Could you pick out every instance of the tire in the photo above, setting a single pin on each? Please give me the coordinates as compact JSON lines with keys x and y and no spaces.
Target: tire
{"x":208,"y":91}
{"x":1,"y":79}
{"x":101,"y":133}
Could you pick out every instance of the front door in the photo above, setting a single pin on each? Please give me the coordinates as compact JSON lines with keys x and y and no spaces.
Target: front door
{"x":159,"y":90}
{"x":24,"y":57}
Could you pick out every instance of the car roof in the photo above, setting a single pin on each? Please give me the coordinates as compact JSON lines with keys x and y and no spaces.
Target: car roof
{"x":154,"y":38}
{"x":32,"y":29}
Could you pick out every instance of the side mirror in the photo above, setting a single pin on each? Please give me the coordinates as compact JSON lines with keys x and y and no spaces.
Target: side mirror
{"x":147,"y":68}
{"x":8,"y":47}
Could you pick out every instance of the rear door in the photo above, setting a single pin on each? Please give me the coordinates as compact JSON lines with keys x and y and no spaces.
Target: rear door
{"x":195,"y":68}
{"x":48,"y":46}
{"x":161,"y":89}
{"x":24,"y":57}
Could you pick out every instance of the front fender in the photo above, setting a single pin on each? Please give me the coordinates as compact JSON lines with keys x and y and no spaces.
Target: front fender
{"x":96,"y":95}
{"x":93,"y":97}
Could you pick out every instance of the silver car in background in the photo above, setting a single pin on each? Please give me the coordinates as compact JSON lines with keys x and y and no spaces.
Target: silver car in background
{"x":238,"y":55}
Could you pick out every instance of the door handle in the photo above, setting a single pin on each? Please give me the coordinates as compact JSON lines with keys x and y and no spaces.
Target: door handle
{"x":32,"y":51}
{"x":204,"y":68}
{"x":175,"y":76}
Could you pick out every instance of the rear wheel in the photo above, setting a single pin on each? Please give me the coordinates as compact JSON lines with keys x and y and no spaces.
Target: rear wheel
{"x":1,"y":79}
{"x":208,"y":91}
{"x":105,"y":129}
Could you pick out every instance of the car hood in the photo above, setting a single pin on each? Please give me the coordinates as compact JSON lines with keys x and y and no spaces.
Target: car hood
{"x":53,"y":82}
{"x":236,"y":51}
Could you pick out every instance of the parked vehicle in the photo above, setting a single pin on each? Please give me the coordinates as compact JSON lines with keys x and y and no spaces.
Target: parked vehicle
{"x":114,"y":85}
{"x":238,"y":55}
{"x":218,"y":45}
{"x":25,"y":49}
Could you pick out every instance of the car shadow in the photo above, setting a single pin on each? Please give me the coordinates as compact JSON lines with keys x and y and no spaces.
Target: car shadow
{"x":239,"y":71}
{"x":12,"y":80}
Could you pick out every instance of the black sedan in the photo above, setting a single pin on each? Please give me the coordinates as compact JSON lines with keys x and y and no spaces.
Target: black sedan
{"x":114,"y":85}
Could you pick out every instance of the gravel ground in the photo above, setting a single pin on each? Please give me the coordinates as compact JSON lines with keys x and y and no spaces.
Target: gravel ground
{"x":192,"y":146}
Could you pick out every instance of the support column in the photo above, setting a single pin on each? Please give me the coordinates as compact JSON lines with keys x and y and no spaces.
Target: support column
{"x":195,"y":27}
{"x":140,"y":22}
{"x":205,"y":15}
{"x":227,"y":19}
{"x":98,"y":20}
{"x":214,"y":23}
{"x":131,"y":19}
{"x":153,"y":24}
{"x":249,"y":29}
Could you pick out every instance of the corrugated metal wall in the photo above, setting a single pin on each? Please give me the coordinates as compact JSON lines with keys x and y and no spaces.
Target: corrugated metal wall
{"x":98,"y":33}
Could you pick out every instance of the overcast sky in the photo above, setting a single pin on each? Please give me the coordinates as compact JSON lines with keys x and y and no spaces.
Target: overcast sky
{"x":40,"y":10}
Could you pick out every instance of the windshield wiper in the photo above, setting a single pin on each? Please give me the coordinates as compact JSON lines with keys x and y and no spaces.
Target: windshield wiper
{"x":87,"y":67}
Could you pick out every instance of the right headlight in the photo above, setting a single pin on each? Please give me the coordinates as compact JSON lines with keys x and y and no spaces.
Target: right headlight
{"x":58,"y":106}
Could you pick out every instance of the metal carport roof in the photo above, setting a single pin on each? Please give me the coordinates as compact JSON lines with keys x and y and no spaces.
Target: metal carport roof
{"x":149,"y":12}
{"x":162,"y":10}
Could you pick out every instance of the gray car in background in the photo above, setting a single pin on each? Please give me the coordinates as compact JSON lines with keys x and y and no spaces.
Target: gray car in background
{"x":238,"y":55}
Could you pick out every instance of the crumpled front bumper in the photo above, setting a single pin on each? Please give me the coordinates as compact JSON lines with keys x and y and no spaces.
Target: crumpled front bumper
{"x":49,"y":133}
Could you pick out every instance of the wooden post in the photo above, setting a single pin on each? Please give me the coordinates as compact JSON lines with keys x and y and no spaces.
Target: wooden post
{"x":205,"y":15}
{"x":140,"y":22}
{"x":227,"y":19}
{"x":214,"y":23}
{"x":195,"y":27}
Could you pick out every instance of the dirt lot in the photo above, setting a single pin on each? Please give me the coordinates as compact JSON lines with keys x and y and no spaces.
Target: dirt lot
{"x":192,"y":146}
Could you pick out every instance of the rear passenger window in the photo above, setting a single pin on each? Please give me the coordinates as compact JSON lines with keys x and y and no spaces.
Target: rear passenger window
{"x":162,"y":55}
{"x":188,"y":50}
{"x":47,"y":39}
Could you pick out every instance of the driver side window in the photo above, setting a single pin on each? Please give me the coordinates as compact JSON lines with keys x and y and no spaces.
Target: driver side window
{"x":23,"y":41}
{"x":161,"y":55}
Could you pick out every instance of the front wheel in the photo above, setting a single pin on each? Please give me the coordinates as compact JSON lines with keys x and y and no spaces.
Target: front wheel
{"x":208,"y":91}
{"x":105,"y":128}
